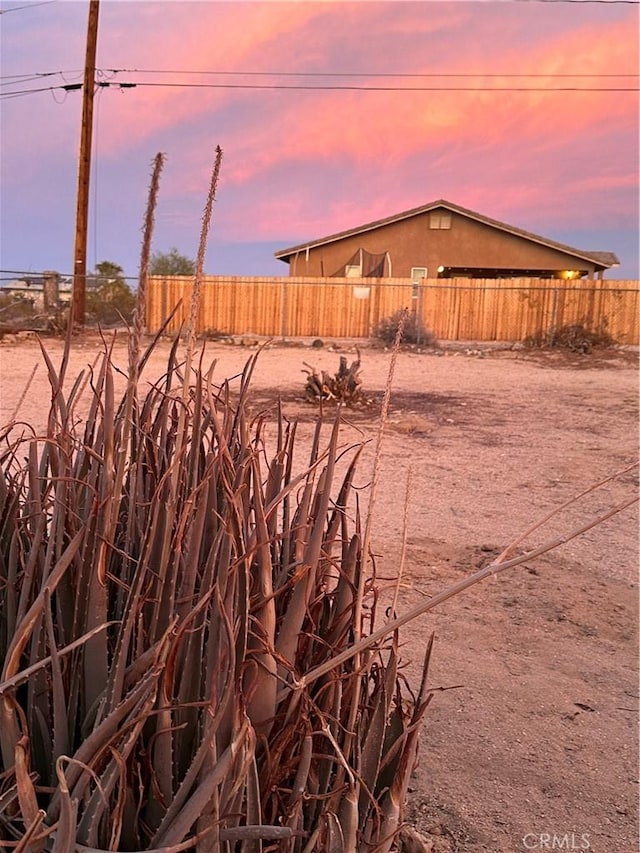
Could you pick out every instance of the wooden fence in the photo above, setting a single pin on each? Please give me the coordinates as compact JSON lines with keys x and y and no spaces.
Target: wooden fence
{"x":453,"y":309}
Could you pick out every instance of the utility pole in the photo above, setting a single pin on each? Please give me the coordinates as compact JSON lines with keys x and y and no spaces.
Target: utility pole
{"x":84,"y":170}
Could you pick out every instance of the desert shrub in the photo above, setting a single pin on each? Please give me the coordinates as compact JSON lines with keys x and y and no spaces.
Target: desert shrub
{"x":574,"y":337}
{"x":177,"y":617}
{"x":15,"y":308}
{"x":415,"y":332}
{"x":110,"y":303}
{"x":214,"y":335}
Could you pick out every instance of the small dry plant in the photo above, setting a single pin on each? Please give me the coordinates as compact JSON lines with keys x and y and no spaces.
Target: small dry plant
{"x":414,"y":331}
{"x":344,"y":386}
{"x":575,"y":337}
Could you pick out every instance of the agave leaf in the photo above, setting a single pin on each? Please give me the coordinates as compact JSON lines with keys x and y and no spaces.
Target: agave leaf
{"x":117,"y":814}
{"x":285,"y":552}
{"x":261,"y":704}
{"x":100,"y":738}
{"x":294,"y":616}
{"x":258,"y":833}
{"x":10,"y":489}
{"x":195,"y":544}
{"x":36,"y":535}
{"x":302,"y":773}
{"x":24,"y":784}
{"x":8,"y":729}
{"x":206,"y":745}
{"x":56,"y":381}
{"x":253,"y":810}
{"x":24,"y":674}
{"x":154,"y":342}
{"x":172,"y":848}
{"x":60,"y":731}
{"x":185,"y":818}
{"x":95,"y":658}
{"x":27,"y":844}
{"x":162,"y":753}
{"x":97,"y":806}
{"x":333,"y":841}
{"x":65,"y":834}
{"x":397,"y":791}
{"x":378,"y":724}
{"x":348,"y":816}
{"x":229,"y":797}
{"x":344,"y":597}
{"x":337,"y":519}
{"x":119,"y":674}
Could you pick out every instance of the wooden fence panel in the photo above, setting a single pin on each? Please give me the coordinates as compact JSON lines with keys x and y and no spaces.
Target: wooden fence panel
{"x":453,"y":309}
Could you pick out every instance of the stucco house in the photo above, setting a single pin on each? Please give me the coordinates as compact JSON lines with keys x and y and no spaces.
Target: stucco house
{"x":442,"y":240}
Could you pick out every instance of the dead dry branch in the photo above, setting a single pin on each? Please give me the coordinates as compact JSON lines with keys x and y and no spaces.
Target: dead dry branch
{"x":344,"y":386}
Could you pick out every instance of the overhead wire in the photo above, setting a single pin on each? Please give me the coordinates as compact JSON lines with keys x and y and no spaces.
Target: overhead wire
{"x":26,"y":6}
{"x":366,"y":88}
{"x":376,"y":74}
{"x":13,"y":275}
{"x":110,"y":73}
{"x":131,"y":84}
{"x":78,"y":72}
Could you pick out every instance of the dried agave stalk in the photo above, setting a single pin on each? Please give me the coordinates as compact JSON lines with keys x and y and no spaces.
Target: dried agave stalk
{"x":204,"y":234}
{"x":140,"y":315}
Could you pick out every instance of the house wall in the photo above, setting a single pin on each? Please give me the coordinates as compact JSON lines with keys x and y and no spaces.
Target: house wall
{"x":412,"y":243}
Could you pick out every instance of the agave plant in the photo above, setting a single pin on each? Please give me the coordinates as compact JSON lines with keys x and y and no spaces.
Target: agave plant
{"x":179,"y":609}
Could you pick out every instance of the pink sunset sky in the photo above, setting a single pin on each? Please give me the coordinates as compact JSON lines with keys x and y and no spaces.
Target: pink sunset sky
{"x":302,"y":163}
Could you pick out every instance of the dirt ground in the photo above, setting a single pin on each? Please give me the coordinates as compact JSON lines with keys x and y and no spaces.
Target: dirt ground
{"x":535,"y":746}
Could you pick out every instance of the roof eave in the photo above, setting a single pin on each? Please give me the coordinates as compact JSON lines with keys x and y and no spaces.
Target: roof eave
{"x":286,"y":254}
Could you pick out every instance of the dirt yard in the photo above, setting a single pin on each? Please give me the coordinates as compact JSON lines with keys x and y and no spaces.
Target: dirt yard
{"x":534,"y":747}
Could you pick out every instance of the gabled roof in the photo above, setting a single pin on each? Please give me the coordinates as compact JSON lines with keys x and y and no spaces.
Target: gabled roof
{"x":601,"y":259}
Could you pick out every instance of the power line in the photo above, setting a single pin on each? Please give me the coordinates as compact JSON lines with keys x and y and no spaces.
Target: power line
{"x":552,"y":75}
{"x":14,"y":79}
{"x":4,"y":275}
{"x":20,"y":93}
{"x":365,"y":88}
{"x":320,"y":87}
{"x":386,"y":74}
{"x":332,"y":75}
{"x":27,"y":6}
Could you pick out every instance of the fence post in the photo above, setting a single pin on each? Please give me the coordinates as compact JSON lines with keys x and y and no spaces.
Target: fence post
{"x":554,"y":317}
{"x":415,"y":305}
{"x":50,"y":290}
{"x":285,"y":308}
{"x":164,"y":308}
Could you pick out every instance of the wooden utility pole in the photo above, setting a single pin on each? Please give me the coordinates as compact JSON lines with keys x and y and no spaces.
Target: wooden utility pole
{"x":84,"y":169}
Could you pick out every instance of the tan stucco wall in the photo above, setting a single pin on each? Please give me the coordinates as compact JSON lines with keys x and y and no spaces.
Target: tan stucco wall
{"x":412,"y":243}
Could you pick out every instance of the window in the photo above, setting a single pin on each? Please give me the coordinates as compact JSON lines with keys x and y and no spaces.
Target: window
{"x":353,"y":271}
{"x":440,"y":220}
{"x":418,"y":272}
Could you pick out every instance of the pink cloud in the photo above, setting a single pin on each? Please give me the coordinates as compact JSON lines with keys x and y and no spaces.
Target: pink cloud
{"x":190,"y":36}
{"x":326,"y":160}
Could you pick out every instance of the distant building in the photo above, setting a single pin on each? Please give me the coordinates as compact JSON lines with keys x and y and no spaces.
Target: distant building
{"x":31,"y":288}
{"x":442,"y":240}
